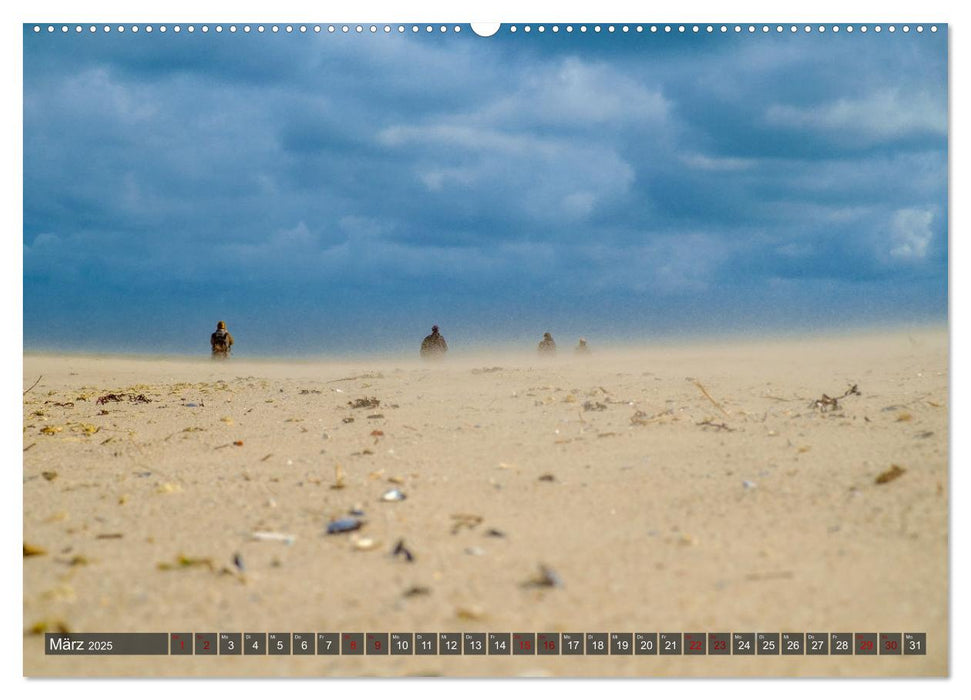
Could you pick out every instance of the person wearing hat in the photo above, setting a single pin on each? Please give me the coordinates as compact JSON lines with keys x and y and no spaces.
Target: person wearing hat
{"x":434,"y":345}
{"x":547,"y":346}
{"x":221,"y":342}
{"x":582,"y":348}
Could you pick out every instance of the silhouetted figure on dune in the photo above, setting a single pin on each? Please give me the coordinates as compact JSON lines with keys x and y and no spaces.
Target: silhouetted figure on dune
{"x":547,"y":346}
{"x":434,"y":347}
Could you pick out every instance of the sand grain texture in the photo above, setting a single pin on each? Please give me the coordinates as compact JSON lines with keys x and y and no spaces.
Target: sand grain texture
{"x":658,"y":507}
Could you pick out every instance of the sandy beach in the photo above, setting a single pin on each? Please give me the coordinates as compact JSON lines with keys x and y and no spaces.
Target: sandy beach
{"x":683,"y":488}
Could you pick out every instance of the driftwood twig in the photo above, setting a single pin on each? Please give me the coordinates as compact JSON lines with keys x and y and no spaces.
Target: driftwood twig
{"x":708,"y":396}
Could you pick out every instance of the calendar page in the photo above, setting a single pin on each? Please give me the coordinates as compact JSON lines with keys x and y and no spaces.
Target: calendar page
{"x":592,"y":349}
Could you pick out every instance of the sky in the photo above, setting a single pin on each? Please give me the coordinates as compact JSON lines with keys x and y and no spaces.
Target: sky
{"x":335,"y":193}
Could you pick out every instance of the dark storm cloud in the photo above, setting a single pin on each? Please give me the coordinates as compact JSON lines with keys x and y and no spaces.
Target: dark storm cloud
{"x":312,"y":177}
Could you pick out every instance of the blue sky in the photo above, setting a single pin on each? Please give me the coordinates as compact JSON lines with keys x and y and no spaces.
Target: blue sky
{"x":339,"y":193}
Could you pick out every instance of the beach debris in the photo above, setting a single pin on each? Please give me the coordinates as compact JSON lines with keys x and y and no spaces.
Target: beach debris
{"x":347,"y":420}
{"x":718,"y":426}
{"x":238,"y":443}
{"x":266,"y":536}
{"x":894,"y":472}
{"x":357,"y":510}
{"x":31,"y":550}
{"x":377,"y":433}
{"x":475,"y":551}
{"x":29,"y":446}
{"x":367,"y":402}
{"x":401,"y":550}
{"x":184,"y":562}
{"x":546,"y":477}
{"x":471,"y":612}
{"x":238,"y":562}
{"x":416,"y":591}
{"x":51,"y":429}
{"x":50,"y":476}
{"x":366,"y":544}
{"x":686,"y":540}
{"x":831,"y":403}
{"x":50,"y":625}
{"x":33,"y":385}
{"x":110,"y":536}
{"x":904,"y":417}
{"x":924,"y":434}
{"x":310,"y":391}
{"x":708,"y":396}
{"x":132,"y":398}
{"x":76,"y":560}
{"x":493,"y":532}
{"x":545,"y":578}
{"x":338,"y":477}
{"x":464,"y":520}
{"x":641,"y":418}
{"x":594,"y":406}
{"x":376,"y":415}
{"x":342,"y":525}
{"x":393,"y":495}
{"x":168,"y":487}
{"x":749,"y":484}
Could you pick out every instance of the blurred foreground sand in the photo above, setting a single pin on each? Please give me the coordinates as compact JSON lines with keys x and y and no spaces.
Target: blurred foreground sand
{"x":658,"y":508}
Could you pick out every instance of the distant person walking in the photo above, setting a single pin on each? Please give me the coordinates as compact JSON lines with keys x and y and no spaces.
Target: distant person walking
{"x":434,"y":345}
{"x":547,"y":346}
{"x":221,"y":342}
{"x":582,"y":348}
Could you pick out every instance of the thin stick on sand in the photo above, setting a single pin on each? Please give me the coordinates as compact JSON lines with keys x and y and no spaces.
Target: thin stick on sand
{"x":708,"y":396}
{"x":33,"y":385}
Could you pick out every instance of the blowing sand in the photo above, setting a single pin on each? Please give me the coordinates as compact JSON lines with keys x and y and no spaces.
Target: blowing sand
{"x":680,"y":489}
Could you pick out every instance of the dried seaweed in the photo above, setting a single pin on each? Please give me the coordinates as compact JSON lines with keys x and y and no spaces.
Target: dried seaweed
{"x":708,"y":396}
{"x":367,"y":402}
{"x":132,"y":398}
{"x":718,"y":426}
{"x":831,"y":403}
{"x":894,"y":472}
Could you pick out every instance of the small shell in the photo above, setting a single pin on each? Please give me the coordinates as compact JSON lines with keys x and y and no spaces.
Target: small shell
{"x":274,"y":537}
{"x":366,"y":544}
{"x":393,"y":495}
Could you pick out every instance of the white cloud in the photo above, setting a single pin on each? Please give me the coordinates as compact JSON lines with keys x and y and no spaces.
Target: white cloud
{"x":880,"y":115}
{"x":545,"y":177}
{"x":910,"y":234}
{"x":573,"y":92}
{"x":699,"y":161}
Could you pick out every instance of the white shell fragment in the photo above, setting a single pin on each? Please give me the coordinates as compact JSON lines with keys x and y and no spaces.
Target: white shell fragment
{"x":283,"y":537}
{"x":393,"y":495}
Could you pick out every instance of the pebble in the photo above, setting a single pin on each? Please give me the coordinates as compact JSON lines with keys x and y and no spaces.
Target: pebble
{"x":341,"y":525}
{"x":393,"y":495}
